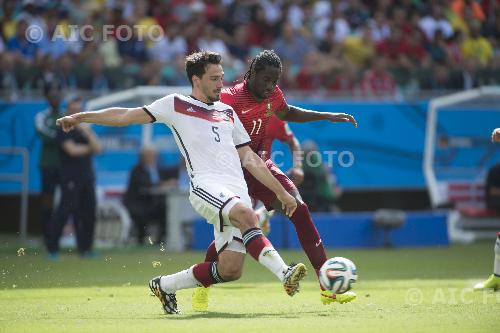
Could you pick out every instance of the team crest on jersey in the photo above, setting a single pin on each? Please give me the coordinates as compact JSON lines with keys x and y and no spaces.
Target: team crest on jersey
{"x":222,"y":115}
{"x":269,"y":113}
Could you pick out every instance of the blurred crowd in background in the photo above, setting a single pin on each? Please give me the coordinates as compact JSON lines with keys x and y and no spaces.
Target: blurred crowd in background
{"x":352,"y":47}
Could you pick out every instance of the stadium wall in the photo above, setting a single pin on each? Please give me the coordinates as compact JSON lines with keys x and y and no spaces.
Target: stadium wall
{"x":386,"y":148}
{"x":348,"y":230}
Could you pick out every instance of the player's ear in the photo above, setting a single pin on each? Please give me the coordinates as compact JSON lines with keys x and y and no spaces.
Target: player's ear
{"x":196,"y":79}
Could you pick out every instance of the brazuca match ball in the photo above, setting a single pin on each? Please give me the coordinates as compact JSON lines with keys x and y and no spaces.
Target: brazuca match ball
{"x":338,"y":275}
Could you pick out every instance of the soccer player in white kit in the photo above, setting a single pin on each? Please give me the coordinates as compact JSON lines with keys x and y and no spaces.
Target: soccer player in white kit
{"x":215,"y":145}
{"x":493,"y":281}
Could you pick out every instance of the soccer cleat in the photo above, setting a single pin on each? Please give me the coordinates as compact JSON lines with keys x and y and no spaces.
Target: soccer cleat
{"x":292,"y":277}
{"x":327,"y":297}
{"x":199,"y":300}
{"x":168,"y":300}
{"x":493,"y":282}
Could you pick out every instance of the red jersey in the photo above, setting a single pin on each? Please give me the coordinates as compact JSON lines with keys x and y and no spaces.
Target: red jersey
{"x":254,"y":115}
{"x":276,"y":129}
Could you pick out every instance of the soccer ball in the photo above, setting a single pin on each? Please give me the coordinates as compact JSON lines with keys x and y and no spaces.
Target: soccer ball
{"x":338,"y":275}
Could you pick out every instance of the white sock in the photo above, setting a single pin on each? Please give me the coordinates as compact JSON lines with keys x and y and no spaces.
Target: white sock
{"x":181,"y":280}
{"x":496,"y":265}
{"x":268,"y":256}
{"x":271,"y":259}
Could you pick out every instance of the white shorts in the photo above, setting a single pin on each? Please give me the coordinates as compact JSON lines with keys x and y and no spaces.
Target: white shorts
{"x":214,"y":202}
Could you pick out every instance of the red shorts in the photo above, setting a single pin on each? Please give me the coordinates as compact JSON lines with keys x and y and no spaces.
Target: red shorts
{"x":258,"y":191}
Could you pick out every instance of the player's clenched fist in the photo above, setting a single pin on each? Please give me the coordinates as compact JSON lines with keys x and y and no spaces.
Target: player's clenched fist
{"x":495,"y":136}
{"x":67,"y":123}
{"x":288,"y":203}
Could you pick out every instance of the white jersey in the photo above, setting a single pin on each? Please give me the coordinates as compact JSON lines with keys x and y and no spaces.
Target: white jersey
{"x":207,"y":136}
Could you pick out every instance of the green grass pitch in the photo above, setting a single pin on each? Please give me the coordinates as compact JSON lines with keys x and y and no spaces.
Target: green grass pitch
{"x":399,"y":290}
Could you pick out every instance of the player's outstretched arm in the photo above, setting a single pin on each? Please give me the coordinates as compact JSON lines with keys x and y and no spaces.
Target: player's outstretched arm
{"x":254,"y":164}
{"x":110,"y":117}
{"x":495,"y":136}
{"x":300,"y":115}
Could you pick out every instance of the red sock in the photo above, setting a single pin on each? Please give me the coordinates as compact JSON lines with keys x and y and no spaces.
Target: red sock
{"x":308,"y":236}
{"x":207,"y":274}
{"x":211,"y":254}
{"x":255,"y":241}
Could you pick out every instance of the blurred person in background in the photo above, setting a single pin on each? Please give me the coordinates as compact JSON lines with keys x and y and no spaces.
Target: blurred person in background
{"x":143,"y":205}
{"x":49,"y":164}
{"x":9,"y":84}
{"x":476,"y":47}
{"x":378,"y":81}
{"x":8,"y":20}
{"x":434,"y":21}
{"x":78,"y":198}
{"x":95,"y":80}
{"x":319,"y":187}
{"x":25,"y":50}
{"x":291,"y":46}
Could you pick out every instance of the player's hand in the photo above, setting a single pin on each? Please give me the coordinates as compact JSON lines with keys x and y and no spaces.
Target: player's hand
{"x":343,"y":118}
{"x":297,"y":175}
{"x":495,"y":136}
{"x":67,"y":123}
{"x":288,"y":203}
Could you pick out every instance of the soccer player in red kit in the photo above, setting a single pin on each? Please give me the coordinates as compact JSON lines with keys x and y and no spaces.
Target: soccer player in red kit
{"x":255,"y":101}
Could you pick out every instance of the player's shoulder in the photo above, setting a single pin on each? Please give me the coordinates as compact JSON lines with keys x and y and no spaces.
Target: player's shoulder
{"x":169,"y":97}
{"x":234,"y":90}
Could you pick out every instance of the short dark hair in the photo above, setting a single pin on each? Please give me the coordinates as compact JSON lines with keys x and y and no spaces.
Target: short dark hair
{"x":263,"y":59}
{"x":196,"y":63}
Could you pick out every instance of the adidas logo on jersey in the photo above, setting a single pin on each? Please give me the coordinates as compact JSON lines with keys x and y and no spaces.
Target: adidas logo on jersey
{"x":190,"y":109}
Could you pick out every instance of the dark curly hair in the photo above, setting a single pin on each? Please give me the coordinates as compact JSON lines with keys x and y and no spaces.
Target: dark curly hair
{"x":196,"y":63}
{"x":263,"y":59}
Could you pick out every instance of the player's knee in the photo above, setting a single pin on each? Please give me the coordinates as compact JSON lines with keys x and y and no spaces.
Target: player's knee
{"x":246,"y":218}
{"x":230,"y":272}
{"x":249,"y":218}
